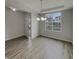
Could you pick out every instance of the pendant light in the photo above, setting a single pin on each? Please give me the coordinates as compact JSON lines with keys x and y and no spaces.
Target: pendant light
{"x":41,"y":18}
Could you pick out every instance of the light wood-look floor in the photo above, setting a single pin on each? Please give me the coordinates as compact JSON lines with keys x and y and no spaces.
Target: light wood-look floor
{"x":38,"y":48}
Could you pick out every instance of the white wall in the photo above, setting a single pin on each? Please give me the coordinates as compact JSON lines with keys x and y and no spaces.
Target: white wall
{"x":35,"y":25}
{"x":67,"y":27}
{"x":14,"y":24}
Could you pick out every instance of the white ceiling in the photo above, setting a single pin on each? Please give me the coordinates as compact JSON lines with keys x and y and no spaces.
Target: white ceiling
{"x":35,"y":5}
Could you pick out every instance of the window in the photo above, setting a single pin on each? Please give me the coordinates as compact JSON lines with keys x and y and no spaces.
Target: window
{"x":53,"y":22}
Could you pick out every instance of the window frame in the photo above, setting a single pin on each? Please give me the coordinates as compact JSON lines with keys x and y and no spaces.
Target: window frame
{"x":46,"y":24}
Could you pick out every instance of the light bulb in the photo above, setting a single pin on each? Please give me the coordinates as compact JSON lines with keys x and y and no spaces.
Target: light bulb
{"x":45,"y":18}
{"x":38,"y":19}
{"x":42,"y":18}
{"x":13,"y":9}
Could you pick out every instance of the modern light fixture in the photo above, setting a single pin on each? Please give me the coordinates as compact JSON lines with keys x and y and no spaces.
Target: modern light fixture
{"x":41,"y":18}
{"x":13,"y":9}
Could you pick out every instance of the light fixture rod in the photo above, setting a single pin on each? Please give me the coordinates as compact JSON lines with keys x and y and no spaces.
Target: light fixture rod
{"x":41,"y":4}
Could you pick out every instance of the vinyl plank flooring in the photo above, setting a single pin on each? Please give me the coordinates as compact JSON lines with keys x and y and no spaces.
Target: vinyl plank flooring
{"x":38,"y":48}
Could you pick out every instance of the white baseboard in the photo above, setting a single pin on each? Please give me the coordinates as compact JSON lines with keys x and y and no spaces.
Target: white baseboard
{"x":14,"y":37}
